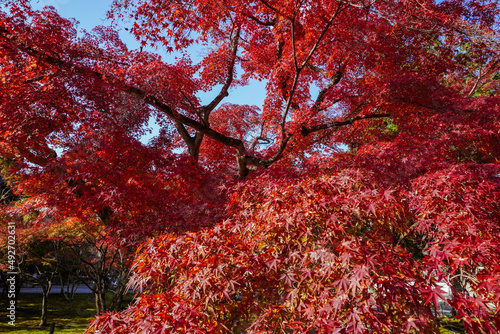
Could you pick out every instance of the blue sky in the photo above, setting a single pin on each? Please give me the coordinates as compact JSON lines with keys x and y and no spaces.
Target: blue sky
{"x":91,"y":13}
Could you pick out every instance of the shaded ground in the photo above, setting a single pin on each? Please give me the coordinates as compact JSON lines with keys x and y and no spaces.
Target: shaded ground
{"x":55,"y":289}
{"x":69,"y":317}
{"x":73,"y":317}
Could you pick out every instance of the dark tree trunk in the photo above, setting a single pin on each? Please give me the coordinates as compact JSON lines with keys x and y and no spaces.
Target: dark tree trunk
{"x":3,"y":281}
{"x":121,"y":289}
{"x":68,"y":288}
{"x":100,"y":295}
{"x":45,"y":296}
{"x":52,"y":327}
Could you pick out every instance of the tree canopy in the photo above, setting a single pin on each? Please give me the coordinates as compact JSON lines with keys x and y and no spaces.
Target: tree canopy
{"x":369,"y":176}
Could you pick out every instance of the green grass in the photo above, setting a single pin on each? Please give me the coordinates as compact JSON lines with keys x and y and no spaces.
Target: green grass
{"x":74,"y":316}
{"x":69,"y":316}
{"x":451,"y":326}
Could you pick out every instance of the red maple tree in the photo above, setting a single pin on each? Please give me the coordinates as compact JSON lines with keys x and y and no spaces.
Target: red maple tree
{"x":370,"y":175}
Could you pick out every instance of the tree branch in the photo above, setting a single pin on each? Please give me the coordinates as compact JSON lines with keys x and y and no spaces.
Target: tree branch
{"x":322,"y":34}
{"x":184,"y":134}
{"x":298,"y":69}
{"x":268,"y":5}
{"x":176,"y":116}
{"x":335,"y":79}
{"x":140,"y":94}
{"x":307,"y":130}
{"x":262,"y":23}
{"x":206,"y":110}
{"x":251,"y":160}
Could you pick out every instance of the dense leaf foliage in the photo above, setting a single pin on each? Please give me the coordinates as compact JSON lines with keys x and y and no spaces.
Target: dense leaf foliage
{"x":368,"y":181}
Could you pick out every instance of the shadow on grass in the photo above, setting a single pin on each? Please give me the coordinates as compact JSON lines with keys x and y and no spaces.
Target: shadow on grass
{"x":69,"y":316}
{"x":451,"y":326}
{"x":73,"y":317}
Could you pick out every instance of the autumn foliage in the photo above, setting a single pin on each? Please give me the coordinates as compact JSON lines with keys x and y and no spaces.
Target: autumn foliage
{"x":367,"y":182}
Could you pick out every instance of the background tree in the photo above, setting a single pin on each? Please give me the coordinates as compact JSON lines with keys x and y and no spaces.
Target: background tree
{"x":9,"y":264}
{"x":102,"y":263}
{"x":42,"y":267}
{"x":313,"y":236}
